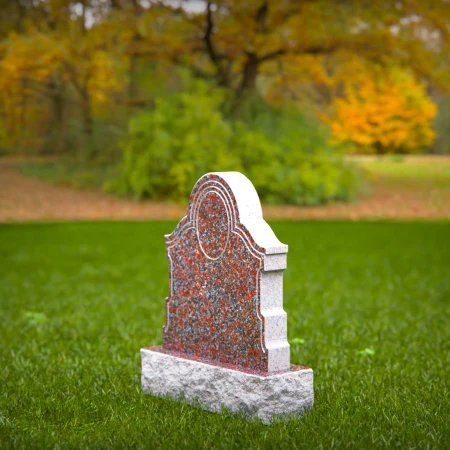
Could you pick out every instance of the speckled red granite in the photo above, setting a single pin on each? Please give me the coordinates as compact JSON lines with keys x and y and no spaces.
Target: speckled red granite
{"x":213,"y":311}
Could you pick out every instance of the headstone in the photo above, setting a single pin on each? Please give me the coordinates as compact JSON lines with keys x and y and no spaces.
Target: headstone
{"x":225,"y":337}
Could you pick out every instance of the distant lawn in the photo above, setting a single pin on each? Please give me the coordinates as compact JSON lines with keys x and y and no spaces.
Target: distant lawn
{"x":422,"y":173}
{"x":370,"y":300}
{"x":76,"y":175}
{"x":409,"y":171}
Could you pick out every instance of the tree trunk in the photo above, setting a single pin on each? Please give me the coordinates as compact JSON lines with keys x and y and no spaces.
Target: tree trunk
{"x":88,"y":149}
{"x":132,"y":88}
{"x":59,"y":145}
{"x":247,"y":86}
{"x":249,"y":74}
{"x":58,"y":123}
{"x":132,"y":84}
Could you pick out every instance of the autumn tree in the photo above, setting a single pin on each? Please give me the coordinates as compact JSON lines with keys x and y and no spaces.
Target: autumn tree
{"x":67,"y":58}
{"x":58,"y":59}
{"x":379,"y":109}
{"x":236,"y":41}
{"x":28,"y":64}
{"x":386,"y":113}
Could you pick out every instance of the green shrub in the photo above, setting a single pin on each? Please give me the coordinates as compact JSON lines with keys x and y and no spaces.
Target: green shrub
{"x":185,"y":136}
{"x":311,"y":171}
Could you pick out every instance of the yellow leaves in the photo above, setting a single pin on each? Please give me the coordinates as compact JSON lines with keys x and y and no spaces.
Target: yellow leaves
{"x":31,"y":57}
{"x":27,"y":63}
{"x":384,"y":113}
{"x":37,"y":67}
{"x":293,"y":71}
{"x":103,"y":78}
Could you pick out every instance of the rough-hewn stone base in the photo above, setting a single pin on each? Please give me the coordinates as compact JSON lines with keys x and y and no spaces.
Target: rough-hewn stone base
{"x":213,"y":387}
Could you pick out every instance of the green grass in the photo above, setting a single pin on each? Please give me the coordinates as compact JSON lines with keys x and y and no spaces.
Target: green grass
{"x":76,"y":175}
{"x":368,"y":307}
{"x":409,"y":171}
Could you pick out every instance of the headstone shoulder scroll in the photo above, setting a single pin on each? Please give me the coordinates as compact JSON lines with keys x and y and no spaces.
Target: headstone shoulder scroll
{"x":225,"y":304}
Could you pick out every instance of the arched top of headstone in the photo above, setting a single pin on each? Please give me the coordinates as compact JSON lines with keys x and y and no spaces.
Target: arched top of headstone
{"x":225,"y":303}
{"x":221,"y":202}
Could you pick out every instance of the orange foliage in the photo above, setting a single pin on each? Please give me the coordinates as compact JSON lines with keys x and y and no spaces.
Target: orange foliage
{"x":62,"y":61}
{"x":388,"y":112}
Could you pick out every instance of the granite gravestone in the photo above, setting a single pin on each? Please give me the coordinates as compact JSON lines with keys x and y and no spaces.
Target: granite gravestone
{"x":225,"y":337}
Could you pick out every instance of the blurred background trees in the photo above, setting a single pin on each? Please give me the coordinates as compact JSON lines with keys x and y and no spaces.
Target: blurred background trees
{"x":277,"y":89}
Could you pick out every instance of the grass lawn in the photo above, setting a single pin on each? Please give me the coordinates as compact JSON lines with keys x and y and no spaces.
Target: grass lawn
{"x":398,"y":170}
{"x":76,"y":175}
{"x":425,"y":177}
{"x":409,"y":171}
{"x":370,"y":300}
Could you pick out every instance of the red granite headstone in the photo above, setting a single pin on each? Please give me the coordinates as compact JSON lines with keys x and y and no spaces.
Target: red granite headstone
{"x":218,"y":276}
{"x":225,"y":338}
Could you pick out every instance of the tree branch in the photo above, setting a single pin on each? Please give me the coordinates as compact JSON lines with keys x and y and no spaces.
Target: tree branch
{"x":318,"y":50}
{"x":271,"y":55}
{"x":261,"y":16}
{"x":216,"y":58}
{"x":208,"y":37}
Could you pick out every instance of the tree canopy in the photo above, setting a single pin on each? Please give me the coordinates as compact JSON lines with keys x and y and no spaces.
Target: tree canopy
{"x":72,"y":65}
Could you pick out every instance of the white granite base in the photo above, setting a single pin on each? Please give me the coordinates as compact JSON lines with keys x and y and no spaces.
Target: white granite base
{"x":215,"y":387}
